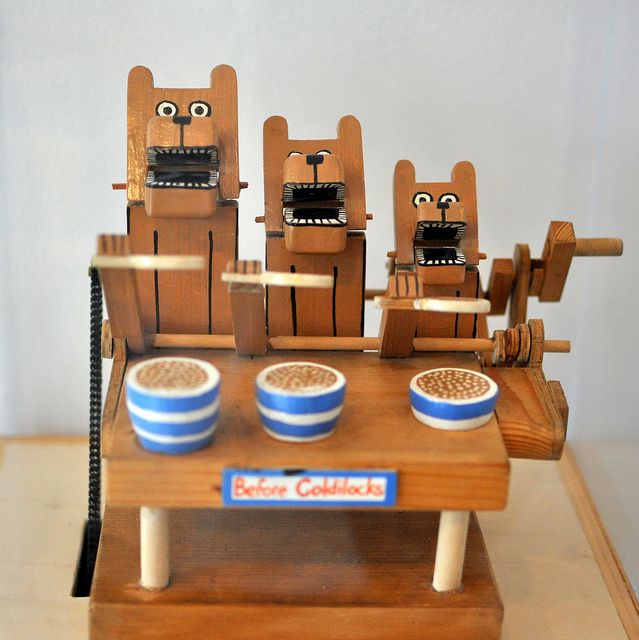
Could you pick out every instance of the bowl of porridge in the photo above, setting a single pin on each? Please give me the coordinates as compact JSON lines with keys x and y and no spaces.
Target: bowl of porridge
{"x":453,"y":399}
{"x":173,"y":403}
{"x":299,"y":401}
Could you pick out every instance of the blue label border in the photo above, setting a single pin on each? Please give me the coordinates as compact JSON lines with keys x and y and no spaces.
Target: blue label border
{"x":229,"y":501}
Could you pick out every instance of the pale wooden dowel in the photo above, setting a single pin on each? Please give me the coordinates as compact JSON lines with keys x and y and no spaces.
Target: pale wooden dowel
{"x":598,"y":247}
{"x":329,"y":343}
{"x":439,"y":305}
{"x":154,"y":548}
{"x":451,"y":549}
{"x":149,"y":262}
{"x":281,"y":279}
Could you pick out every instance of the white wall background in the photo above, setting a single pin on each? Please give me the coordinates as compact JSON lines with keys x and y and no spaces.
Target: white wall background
{"x":542,"y":96}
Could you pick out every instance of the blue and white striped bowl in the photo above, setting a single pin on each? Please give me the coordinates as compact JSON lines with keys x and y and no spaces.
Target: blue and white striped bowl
{"x":453,"y":399}
{"x":175,"y":414}
{"x":302,"y":413}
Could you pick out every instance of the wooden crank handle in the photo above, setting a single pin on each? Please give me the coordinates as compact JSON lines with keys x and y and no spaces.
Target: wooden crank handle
{"x":281,"y":279}
{"x":440,"y":305}
{"x":148,"y":262}
{"x":598,"y":246}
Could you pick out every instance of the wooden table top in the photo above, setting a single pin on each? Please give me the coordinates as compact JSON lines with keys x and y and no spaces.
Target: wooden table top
{"x":436,"y":469}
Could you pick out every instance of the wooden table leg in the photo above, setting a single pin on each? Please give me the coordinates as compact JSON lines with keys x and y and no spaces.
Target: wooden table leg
{"x":451,"y":548}
{"x":154,"y":548}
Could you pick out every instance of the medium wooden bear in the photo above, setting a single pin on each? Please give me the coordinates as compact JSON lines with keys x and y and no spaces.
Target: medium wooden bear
{"x":315,"y":216}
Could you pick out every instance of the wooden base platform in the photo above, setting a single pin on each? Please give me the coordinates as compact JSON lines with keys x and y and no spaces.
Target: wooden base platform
{"x":292,"y":575}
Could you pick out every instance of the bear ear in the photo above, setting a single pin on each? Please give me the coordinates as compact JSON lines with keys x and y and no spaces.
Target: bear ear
{"x":463,"y":172}
{"x":403,"y":211}
{"x":275,"y":128}
{"x":140,"y":77}
{"x":276,"y":147}
{"x":349,"y":142}
{"x":224,"y":78}
{"x":404,"y":173}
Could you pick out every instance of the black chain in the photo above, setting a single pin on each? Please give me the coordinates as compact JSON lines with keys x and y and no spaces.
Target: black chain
{"x":95,"y":410}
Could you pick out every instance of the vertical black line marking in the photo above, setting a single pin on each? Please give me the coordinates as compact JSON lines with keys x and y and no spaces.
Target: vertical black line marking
{"x":334,"y":300}
{"x":457,"y":294}
{"x":315,"y":173}
{"x":361,"y":323}
{"x":128,"y":221}
{"x":476,"y":296}
{"x":266,"y":301}
{"x":210,"y":287}
{"x":181,"y":135}
{"x":156,"y":283}
{"x":293,"y":305}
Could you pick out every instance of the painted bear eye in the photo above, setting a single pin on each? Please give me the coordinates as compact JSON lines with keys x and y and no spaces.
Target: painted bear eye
{"x":166,"y":108}
{"x":422,"y":196}
{"x":199,"y":108}
{"x":323,"y":152}
{"x":448,"y":197}
{"x":295,"y":153}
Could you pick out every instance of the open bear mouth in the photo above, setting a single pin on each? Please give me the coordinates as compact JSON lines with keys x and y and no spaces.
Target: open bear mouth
{"x":439,"y":256}
{"x":439,"y":231}
{"x":182,"y":168}
{"x":315,"y":216}
{"x":436,"y":243}
{"x":313,"y":192}
{"x":314,"y":204}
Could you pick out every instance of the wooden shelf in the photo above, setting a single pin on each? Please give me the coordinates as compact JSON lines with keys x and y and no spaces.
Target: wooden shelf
{"x":292,"y":575}
{"x":437,"y":470}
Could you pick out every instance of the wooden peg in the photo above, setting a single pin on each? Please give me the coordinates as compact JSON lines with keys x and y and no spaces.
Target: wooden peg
{"x":599,"y":247}
{"x":248,"y":309}
{"x":451,"y":549}
{"x":154,"y":548}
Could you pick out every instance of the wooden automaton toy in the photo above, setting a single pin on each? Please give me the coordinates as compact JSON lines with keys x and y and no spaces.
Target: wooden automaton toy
{"x":272,"y":472}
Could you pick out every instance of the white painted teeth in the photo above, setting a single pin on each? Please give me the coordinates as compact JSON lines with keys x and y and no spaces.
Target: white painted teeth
{"x":423,"y":260}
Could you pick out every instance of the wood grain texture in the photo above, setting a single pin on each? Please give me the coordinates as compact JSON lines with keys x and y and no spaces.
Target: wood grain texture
{"x":437,"y":469}
{"x":398,"y":327}
{"x":451,"y":325}
{"x":185,"y":301}
{"x":519,"y":299}
{"x":292,"y":575}
{"x":559,"y":249}
{"x":121,"y":294}
{"x":318,"y":312}
{"x":530,"y":422}
{"x":500,"y":285}
{"x":619,"y":586}
{"x":114,"y":388}
{"x":248,"y":310}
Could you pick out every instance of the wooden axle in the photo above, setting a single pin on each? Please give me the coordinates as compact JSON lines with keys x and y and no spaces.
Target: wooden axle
{"x":322,"y":343}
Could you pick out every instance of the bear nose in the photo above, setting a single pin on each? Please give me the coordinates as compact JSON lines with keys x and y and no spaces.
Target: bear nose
{"x":181,"y":119}
{"x":443,"y":205}
{"x":314,"y":159}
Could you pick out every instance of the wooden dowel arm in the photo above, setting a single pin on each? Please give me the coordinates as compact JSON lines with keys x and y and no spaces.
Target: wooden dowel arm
{"x":439,"y":304}
{"x":598,"y":247}
{"x":280,"y":279}
{"x":149,"y":262}
{"x":330,"y":343}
